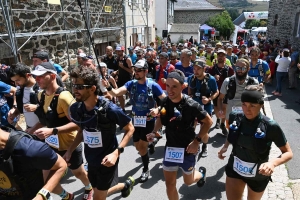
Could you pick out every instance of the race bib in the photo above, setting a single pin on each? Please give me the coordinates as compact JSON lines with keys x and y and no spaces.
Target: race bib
{"x":237,"y":109}
{"x":53,"y":141}
{"x":139,"y":121}
{"x":92,"y":139}
{"x":174,"y":154}
{"x":197,"y":94}
{"x":245,"y":169}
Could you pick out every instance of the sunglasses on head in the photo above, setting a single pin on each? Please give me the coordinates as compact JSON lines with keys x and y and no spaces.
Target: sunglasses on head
{"x":243,"y":69}
{"x":80,"y":86}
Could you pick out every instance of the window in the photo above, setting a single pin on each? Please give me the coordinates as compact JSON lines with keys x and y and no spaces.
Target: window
{"x":297,"y":25}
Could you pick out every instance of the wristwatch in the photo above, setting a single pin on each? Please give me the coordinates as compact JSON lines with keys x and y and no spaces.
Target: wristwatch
{"x":14,"y":106}
{"x":55,"y":131}
{"x":198,"y":139}
{"x":45,"y":194}
{"x":121,"y":149}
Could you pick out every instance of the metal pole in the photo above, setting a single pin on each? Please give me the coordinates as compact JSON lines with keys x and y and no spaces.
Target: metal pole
{"x":14,"y":33}
{"x":147,"y":18}
{"x":66,"y":35}
{"x":87,"y":17}
{"x":124,"y":22}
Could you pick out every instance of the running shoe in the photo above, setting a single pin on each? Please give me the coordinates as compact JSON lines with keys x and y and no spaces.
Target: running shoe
{"x":151,"y":146}
{"x":224,"y":130}
{"x":217,"y":126}
{"x":204,"y":152}
{"x":144,"y":177}
{"x":129,"y":183}
{"x":202,"y":181}
{"x":88,"y":194}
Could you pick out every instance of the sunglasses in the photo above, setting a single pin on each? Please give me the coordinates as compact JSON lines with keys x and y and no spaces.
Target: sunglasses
{"x":147,"y":57}
{"x":80,"y":86}
{"x":243,"y":69}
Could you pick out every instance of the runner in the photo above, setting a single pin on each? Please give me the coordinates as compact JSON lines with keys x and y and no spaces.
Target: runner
{"x":97,"y":119}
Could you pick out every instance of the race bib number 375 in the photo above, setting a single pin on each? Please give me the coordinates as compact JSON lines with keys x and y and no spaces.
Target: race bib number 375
{"x":92,"y":139}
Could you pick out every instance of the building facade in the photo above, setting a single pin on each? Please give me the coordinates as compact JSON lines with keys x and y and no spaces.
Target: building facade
{"x":284,"y":21}
{"x":60,"y":29}
{"x":140,"y":22}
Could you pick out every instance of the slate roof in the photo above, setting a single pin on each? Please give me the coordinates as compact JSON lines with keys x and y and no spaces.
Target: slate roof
{"x":184,"y":28}
{"x":195,"y":5}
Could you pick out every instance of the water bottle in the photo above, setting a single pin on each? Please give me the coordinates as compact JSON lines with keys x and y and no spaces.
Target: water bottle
{"x":233,"y":126}
{"x":233,"y":133}
{"x":177,"y":114}
{"x":259,"y":134}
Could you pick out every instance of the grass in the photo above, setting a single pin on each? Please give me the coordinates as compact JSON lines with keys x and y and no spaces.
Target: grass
{"x":290,"y":184}
{"x":259,"y":5}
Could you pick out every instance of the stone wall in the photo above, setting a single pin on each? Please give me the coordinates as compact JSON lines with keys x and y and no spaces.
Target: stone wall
{"x":286,"y":13}
{"x":194,"y":16}
{"x":31,"y":19}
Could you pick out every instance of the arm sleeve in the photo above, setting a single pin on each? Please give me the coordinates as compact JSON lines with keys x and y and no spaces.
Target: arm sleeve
{"x":276,"y":134}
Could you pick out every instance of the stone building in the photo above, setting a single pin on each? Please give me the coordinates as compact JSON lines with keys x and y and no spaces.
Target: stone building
{"x":192,"y":12}
{"x":39,"y":25}
{"x":284,"y":21}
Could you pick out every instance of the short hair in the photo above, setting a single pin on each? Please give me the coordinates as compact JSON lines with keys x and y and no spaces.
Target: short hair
{"x":187,"y":52}
{"x":255,"y":49}
{"x":19,"y":69}
{"x":89,"y":76}
{"x":294,"y":48}
{"x":173,"y":54}
{"x":286,"y":54}
{"x":245,"y":61}
{"x":255,"y":88}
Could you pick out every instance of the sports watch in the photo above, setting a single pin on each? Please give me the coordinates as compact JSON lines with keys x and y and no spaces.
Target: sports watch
{"x":121,"y":149}
{"x":45,"y":194}
{"x":198,"y":139}
{"x":55,"y":131}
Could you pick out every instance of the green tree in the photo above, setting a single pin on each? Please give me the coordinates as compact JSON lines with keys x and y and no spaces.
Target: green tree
{"x":234,"y":13}
{"x":263,"y":23}
{"x":252,"y":23}
{"x":222,"y":23}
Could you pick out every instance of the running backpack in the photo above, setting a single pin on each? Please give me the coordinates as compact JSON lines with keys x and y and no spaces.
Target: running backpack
{"x":231,"y":87}
{"x":133,"y":93}
{"x":197,"y":88}
{"x":166,"y":71}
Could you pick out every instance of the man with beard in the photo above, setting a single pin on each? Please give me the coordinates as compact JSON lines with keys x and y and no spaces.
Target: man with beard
{"x":124,"y":72}
{"x":97,"y":119}
{"x":152,"y":63}
{"x":233,"y":87}
{"x":202,"y":88}
{"x":26,"y":96}
{"x":143,"y":93}
{"x":220,"y":71}
{"x":58,"y":131}
{"x":242,"y":52}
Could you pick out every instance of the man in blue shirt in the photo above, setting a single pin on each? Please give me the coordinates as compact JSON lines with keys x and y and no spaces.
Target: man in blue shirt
{"x":97,"y":118}
{"x":143,"y":92}
{"x":4,"y":108}
{"x":293,"y":68}
{"x":202,"y":88}
{"x":132,"y":55}
{"x":259,"y":69}
{"x":185,"y":66}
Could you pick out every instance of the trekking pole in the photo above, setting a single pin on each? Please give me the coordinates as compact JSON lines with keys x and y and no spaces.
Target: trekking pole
{"x":90,"y":37}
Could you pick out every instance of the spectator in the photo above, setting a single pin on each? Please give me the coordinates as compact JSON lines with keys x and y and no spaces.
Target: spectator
{"x":293,"y":68}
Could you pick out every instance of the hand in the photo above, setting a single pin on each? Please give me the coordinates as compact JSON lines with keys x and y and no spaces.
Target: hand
{"x":29,"y":130}
{"x":113,"y":74}
{"x":150,"y":137}
{"x":154,"y":112}
{"x":221,"y":114}
{"x":192,"y":147}
{"x":220,"y":153}
{"x":11,"y":116}
{"x":43,"y":133}
{"x":109,"y":160}
{"x":298,"y":65}
{"x":185,"y":85}
{"x":67,"y":156}
{"x":121,"y":64}
{"x":205,"y":100}
{"x":217,"y":77}
{"x":30,"y":107}
{"x":38,"y":197}
{"x":105,"y":83}
{"x":163,"y":80}
{"x":266,"y":168}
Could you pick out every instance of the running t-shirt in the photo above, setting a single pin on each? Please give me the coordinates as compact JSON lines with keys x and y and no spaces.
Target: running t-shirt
{"x":30,"y":117}
{"x":162,"y":75}
{"x":187,"y":72}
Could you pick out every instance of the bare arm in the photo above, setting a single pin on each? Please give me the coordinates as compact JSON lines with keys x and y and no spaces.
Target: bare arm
{"x":69,"y":127}
{"x":78,"y":139}
{"x":64,"y":75}
{"x":215,"y":95}
{"x":118,"y":92}
{"x":220,"y":101}
{"x":286,"y":155}
{"x":205,"y":126}
{"x":113,"y":82}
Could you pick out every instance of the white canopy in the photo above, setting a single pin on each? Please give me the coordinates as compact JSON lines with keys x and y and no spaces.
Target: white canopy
{"x":260,"y":29}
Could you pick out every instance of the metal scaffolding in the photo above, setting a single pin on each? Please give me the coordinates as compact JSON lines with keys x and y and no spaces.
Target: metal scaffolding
{"x":11,"y":34}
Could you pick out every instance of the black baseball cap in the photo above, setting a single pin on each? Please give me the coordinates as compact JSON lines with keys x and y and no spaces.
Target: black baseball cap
{"x":41,"y":55}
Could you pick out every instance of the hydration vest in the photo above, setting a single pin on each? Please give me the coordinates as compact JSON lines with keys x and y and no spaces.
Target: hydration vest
{"x":51,"y":119}
{"x":231,"y":87}
{"x":212,"y":56}
{"x":104,"y":124}
{"x":257,"y":145}
{"x":225,"y":70}
{"x":166,"y":71}
{"x":260,"y":69}
{"x":200,"y":90}
{"x":17,"y":181}
{"x":134,"y":94}
{"x":33,"y":98}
